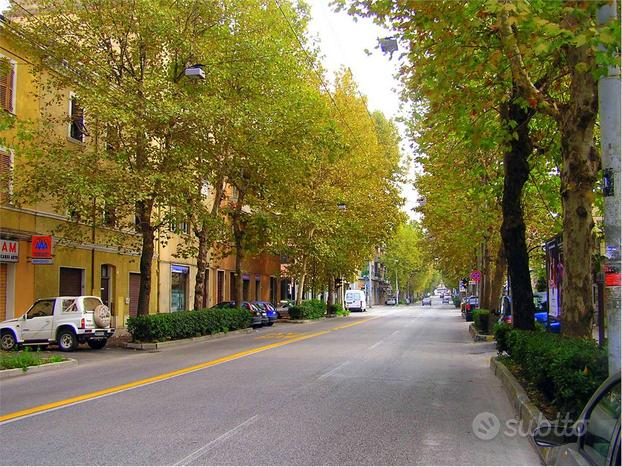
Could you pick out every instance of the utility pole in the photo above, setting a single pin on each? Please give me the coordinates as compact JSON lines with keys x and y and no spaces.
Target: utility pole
{"x":609,"y":107}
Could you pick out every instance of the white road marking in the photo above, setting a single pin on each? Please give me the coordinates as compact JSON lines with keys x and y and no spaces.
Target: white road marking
{"x":394,"y":333}
{"x":208,"y":447}
{"x":338,"y":367}
{"x":376,"y":344}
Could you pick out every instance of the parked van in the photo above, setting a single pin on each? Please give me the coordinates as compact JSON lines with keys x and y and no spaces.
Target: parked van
{"x":355,"y":300}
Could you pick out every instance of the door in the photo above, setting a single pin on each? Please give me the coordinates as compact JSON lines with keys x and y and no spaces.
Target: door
{"x":105,"y":284}
{"x":38,"y":323}
{"x":3,"y":286}
{"x":70,"y":282}
{"x":134,"y":292}
{"x":221,"y":287}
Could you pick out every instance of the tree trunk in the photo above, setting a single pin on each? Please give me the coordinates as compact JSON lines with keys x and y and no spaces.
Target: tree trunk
{"x":238,"y":265}
{"x":204,"y":246}
{"x":330,"y":301}
{"x":202,"y":265}
{"x":484,"y":285}
{"x":516,"y":174}
{"x":579,"y":173}
{"x":497,"y":280}
{"x":143,"y":209}
{"x":301,"y":283}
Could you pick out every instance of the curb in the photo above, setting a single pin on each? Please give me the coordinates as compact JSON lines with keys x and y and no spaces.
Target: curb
{"x":15,"y":372}
{"x":480,"y":337}
{"x":529,"y":415}
{"x":166,"y":344}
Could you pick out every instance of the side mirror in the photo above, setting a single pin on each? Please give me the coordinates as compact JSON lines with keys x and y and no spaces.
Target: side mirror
{"x":25,"y":316}
{"x":550,"y":435}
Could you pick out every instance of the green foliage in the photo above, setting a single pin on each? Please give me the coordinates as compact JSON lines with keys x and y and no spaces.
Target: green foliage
{"x":308,"y":309}
{"x":337,"y":309}
{"x":481,"y":320}
{"x":25,"y":358}
{"x":456,"y":301}
{"x":501,"y":332}
{"x":185,"y":324}
{"x":565,"y":370}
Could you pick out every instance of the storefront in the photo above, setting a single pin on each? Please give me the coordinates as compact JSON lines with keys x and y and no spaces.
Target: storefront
{"x":179,"y":287}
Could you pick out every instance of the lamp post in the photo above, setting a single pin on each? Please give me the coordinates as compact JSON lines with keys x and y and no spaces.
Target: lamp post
{"x":397,"y":286}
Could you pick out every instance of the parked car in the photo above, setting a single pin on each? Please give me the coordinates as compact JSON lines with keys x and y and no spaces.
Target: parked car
{"x":356,"y":300}
{"x":505,"y":316}
{"x":269,"y":310}
{"x":66,"y":321}
{"x":445,"y":299}
{"x":283,"y":307}
{"x":470,"y":303}
{"x":426,"y":301}
{"x":594,"y":439}
{"x":257,"y":316}
{"x":390,"y":301}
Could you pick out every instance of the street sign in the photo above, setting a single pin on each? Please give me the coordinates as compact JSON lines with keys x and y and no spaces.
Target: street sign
{"x":42,"y":261}
{"x":476,"y":276}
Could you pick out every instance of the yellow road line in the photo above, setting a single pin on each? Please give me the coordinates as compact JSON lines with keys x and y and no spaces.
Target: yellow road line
{"x":164,"y":376}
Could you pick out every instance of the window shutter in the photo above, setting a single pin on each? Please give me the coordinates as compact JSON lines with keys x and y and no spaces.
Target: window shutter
{"x":7,"y":84}
{"x":5,"y":177}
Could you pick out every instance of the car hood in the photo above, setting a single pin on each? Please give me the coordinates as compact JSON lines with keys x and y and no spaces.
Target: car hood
{"x":10,"y":321}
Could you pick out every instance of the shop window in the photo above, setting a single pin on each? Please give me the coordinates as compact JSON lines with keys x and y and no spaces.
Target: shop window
{"x":179,"y":287}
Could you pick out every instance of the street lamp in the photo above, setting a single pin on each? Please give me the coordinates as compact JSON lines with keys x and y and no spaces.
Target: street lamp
{"x":195,"y":71}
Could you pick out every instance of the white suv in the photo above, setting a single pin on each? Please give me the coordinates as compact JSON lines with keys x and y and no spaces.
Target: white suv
{"x":66,"y":321}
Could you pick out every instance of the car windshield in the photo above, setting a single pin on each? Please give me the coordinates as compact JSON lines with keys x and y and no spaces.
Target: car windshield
{"x":90,"y":303}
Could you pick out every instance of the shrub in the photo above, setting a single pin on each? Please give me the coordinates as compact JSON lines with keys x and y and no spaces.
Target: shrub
{"x":456,"y":300}
{"x":338,"y":310}
{"x":308,"y":309}
{"x":565,"y":370}
{"x":501,"y":331}
{"x":480,"y":320}
{"x":184,"y":324}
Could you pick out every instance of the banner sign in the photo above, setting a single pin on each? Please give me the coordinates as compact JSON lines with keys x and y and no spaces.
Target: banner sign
{"x":9,"y":251}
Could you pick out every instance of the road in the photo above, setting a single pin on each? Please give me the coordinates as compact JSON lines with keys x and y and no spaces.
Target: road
{"x":396,"y":385}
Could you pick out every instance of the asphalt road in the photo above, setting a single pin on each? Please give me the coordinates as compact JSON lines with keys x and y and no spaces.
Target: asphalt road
{"x":400,"y":388}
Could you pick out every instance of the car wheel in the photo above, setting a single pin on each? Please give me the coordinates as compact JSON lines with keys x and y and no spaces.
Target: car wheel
{"x":67,"y":340}
{"x":97,"y":344}
{"x":7,"y":341}
{"x":270,"y":323}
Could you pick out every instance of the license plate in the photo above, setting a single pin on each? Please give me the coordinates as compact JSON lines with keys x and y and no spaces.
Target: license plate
{"x":99,"y":334}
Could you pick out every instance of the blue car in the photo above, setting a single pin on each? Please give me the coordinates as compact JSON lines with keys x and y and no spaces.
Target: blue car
{"x":271,"y":314}
{"x":553,"y":323}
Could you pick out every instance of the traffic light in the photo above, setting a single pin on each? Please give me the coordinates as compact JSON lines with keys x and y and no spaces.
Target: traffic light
{"x":338,"y":282}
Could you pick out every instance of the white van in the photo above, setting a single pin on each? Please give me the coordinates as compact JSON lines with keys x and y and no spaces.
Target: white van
{"x":355,"y":300}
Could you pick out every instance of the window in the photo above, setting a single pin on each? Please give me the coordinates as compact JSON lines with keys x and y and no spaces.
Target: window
{"x":7,"y":84}
{"x":42,"y":308}
{"x":601,"y":425}
{"x":180,"y":227}
{"x":70,"y":305}
{"x":77,"y":130}
{"x":109,"y":218}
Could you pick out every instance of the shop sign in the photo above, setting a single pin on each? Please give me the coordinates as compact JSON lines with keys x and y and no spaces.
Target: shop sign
{"x":41,"y":246}
{"x":9,"y":251}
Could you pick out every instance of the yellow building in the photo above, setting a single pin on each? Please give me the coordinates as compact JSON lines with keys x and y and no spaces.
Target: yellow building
{"x":90,"y":267}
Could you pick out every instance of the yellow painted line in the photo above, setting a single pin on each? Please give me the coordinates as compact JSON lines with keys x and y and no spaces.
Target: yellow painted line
{"x":164,"y":376}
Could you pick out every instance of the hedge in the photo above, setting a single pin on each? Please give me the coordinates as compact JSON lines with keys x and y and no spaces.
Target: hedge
{"x":184,"y":324}
{"x":308,"y":309}
{"x":565,"y":370}
{"x":481,"y":318}
{"x":456,"y":301}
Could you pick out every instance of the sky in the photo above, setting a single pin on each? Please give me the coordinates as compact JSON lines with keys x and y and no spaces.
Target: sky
{"x":343,"y":41}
